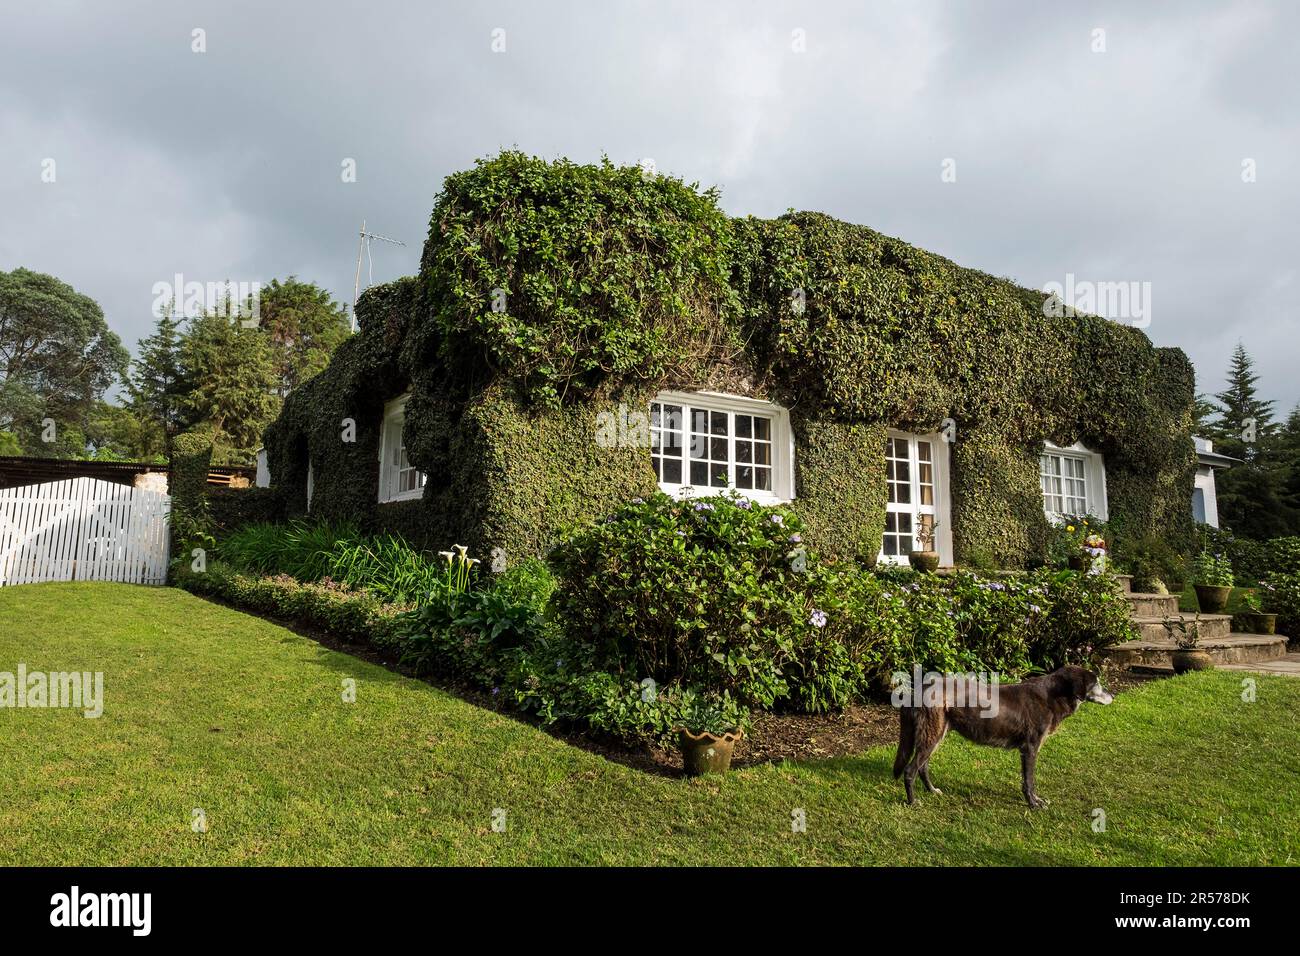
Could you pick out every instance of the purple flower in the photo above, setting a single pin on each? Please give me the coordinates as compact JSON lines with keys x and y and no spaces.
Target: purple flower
{"x":495,"y":691}
{"x":817,"y":618}
{"x":796,"y":538}
{"x":703,"y":506}
{"x":638,"y":501}
{"x":1035,"y":609}
{"x":744,"y":503}
{"x":777,"y":519}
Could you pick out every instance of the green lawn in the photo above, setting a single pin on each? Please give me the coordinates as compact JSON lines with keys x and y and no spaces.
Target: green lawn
{"x":208,"y":708}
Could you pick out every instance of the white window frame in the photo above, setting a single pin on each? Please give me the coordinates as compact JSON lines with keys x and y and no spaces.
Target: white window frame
{"x":940,"y":509}
{"x":390,"y":441}
{"x":782,"y":440}
{"x":1094,"y":479}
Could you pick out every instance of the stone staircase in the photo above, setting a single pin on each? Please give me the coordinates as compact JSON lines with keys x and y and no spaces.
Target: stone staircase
{"x":1226,"y":647}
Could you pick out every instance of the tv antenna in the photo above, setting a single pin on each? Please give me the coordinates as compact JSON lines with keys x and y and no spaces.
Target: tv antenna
{"x":364,"y":246}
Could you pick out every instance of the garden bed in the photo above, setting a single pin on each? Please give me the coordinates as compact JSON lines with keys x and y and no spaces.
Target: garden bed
{"x":774,"y":737}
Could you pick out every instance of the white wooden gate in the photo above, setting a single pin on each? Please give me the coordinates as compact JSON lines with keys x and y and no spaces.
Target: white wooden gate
{"x":83,"y":529}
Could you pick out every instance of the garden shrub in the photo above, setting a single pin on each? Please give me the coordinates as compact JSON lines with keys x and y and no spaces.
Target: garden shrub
{"x":352,"y":616}
{"x":714,"y":592}
{"x":1284,"y":555}
{"x":719,"y":593}
{"x":1280,"y":595}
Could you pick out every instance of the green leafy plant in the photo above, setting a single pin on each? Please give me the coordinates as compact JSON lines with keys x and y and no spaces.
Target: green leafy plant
{"x":1214,"y":570}
{"x":1185,"y":634}
{"x":715,"y":714}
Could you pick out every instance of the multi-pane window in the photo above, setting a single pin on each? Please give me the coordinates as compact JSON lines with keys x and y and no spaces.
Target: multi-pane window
{"x":910,"y":509}
{"x":408,"y":478}
{"x":712,"y":444}
{"x":398,"y":478}
{"x":1064,"y":483}
{"x":666,"y":442}
{"x":753,"y":452}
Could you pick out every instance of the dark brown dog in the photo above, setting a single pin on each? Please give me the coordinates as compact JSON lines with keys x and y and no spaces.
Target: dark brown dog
{"x":1026,"y":714}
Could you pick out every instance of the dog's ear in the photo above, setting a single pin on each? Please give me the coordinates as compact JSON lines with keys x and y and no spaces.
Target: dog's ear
{"x":1075,"y":681}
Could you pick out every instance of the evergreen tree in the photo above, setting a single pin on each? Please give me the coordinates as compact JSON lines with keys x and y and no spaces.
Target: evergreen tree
{"x":1249,"y":493}
{"x":157,"y":387}
{"x":231,"y":380}
{"x":1288,"y":446}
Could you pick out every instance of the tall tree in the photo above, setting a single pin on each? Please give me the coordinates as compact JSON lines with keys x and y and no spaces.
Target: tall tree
{"x":1250,"y":493}
{"x":305,"y":326}
{"x":232,"y":384}
{"x":1288,"y":446}
{"x":57,"y":358}
{"x":1245,"y":422}
{"x":158,"y":385}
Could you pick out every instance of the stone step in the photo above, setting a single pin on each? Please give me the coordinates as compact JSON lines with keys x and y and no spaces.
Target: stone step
{"x":1287,"y":665}
{"x":1212,"y":626}
{"x":1228,"y":649}
{"x":1125,"y":582}
{"x":1151,"y":605}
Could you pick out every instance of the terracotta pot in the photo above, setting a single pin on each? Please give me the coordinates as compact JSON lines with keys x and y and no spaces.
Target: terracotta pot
{"x":1193,"y":660}
{"x":927,"y":561}
{"x":705,"y":752}
{"x":1211,"y":598}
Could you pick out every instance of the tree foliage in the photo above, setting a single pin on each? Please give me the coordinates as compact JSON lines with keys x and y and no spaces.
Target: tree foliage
{"x":57,"y":358}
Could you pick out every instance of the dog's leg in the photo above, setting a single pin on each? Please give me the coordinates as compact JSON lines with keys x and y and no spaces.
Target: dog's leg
{"x":930,"y":734}
{"x":925,"y":779}
{"x":925,"y":764}
{"x":1028,"y":760}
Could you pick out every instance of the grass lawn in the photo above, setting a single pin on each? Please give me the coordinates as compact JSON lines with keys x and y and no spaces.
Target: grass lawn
{"x":209,"y":708}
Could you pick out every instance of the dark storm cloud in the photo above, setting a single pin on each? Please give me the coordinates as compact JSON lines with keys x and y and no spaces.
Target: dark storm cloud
{"x":1115,"y":165}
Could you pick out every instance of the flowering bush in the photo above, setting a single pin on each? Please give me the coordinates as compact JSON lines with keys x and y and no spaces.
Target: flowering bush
{"x":715,"y":593}
{"x":1077,"y":536}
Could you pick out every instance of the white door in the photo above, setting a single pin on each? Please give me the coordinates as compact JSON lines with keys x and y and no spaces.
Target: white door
{"x":916,"y":473}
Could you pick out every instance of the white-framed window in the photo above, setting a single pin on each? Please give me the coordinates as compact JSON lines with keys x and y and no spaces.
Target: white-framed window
{"x":917,"y":510}
{"x":1073,"y":481}
{"x":707,"y":443}
{"x":398,"y":479}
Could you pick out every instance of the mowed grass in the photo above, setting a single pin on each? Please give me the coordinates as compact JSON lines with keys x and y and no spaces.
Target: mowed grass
{"x":207,"y":708}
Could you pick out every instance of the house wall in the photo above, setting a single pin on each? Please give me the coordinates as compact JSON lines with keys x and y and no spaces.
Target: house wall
{"x":617,"y":288}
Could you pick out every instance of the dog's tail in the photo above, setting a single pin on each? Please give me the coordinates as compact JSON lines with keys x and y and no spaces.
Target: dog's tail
{"x":906,"y":739}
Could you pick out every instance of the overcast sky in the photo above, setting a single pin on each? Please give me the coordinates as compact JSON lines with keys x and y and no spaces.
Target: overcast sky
{"x":1127,"y":163}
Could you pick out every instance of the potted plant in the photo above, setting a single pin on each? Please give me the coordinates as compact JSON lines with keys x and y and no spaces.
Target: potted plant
{"x":1253,"y":619}
{"x":925,"y":558}
{"x":1212,"y":576}
{"x":707,"y":731}
{"x":1188,"y":655}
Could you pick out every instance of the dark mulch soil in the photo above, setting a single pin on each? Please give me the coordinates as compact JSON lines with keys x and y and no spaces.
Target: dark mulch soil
{"x":773,"y":737}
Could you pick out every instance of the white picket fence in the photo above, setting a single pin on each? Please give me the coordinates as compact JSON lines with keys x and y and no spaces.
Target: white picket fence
{"x":83,"y":529}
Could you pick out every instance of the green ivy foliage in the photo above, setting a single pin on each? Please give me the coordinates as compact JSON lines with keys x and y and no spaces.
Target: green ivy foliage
{"x":551,"y":291}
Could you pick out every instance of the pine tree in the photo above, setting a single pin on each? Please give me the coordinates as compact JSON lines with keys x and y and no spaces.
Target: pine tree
{"x":1288,"y":447}
{"x":1245,"y":423}
{"x":1249,"y":493}
{"x":157,"y":386}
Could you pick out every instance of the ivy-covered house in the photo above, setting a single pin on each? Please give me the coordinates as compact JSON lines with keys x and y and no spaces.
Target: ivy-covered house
{"x":581,"y":335}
